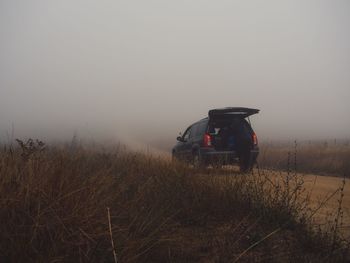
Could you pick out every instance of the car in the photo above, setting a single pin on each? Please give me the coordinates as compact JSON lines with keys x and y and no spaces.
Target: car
{"x":225,"y":137}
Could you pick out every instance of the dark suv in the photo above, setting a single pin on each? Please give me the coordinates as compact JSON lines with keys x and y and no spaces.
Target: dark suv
{"x":224,"y":137}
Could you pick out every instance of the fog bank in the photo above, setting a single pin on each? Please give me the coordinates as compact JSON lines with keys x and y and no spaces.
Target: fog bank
{"x":143,"y":70}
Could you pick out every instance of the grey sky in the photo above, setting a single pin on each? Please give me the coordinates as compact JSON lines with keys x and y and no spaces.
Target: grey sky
{"x":148,"y":68}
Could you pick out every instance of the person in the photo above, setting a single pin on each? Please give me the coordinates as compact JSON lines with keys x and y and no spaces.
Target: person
{"x":243,"y":144}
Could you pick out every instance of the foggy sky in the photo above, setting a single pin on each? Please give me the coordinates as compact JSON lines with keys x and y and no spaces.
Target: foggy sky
{"x":143,"y":69}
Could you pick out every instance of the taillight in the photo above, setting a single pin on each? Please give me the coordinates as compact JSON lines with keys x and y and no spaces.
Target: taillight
{"x":255,"y":139}
{"x":207,"y":140}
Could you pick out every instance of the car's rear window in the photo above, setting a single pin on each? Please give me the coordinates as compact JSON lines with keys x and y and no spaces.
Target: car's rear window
{"x":216,"y":126}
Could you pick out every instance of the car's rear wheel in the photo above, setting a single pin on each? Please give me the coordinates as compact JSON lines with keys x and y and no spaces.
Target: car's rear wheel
{"x":217,"y":165}
{"x":197,"y":160}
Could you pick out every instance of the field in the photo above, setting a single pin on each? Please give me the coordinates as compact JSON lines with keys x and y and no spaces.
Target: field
{"x":78,"y":204}
{"x":324,"y":157}
{"x":330,"y":157}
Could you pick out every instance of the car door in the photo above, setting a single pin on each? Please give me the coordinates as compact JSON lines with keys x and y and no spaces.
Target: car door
{"x":182,"y":147}
{"x":188,"y":146}
{"x":198,"y":134}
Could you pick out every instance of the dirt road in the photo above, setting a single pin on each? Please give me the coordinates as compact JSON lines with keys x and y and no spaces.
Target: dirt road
{"x":325,"y":187}
{"x":324,"y":193}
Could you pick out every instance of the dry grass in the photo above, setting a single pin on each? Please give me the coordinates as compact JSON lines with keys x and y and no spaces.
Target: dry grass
{"x":54,"y":209}
{"x":323,"y":158}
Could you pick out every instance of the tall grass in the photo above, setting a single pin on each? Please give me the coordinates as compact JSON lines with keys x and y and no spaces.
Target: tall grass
{"x":60,"y":204}
{"x":323,"y":157}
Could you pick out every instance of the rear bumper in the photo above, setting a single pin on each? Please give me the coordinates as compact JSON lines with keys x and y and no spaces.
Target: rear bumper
{"x":210,"y":155}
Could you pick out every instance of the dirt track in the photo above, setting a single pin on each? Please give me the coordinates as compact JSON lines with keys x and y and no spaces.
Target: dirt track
{"x":324,"y":192}
{"x":322,"y":187}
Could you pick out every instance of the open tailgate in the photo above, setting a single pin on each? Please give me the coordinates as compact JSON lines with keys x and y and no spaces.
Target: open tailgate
{"x":232,"y":111}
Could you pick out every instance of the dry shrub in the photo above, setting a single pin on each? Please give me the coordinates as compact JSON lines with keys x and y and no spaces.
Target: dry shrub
{"x":54,"y":200}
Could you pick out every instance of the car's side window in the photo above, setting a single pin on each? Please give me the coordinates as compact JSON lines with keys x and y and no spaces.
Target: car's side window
{"x":187,"y":134}
{"x":202,"y":128}
{"x":194,"y":129}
